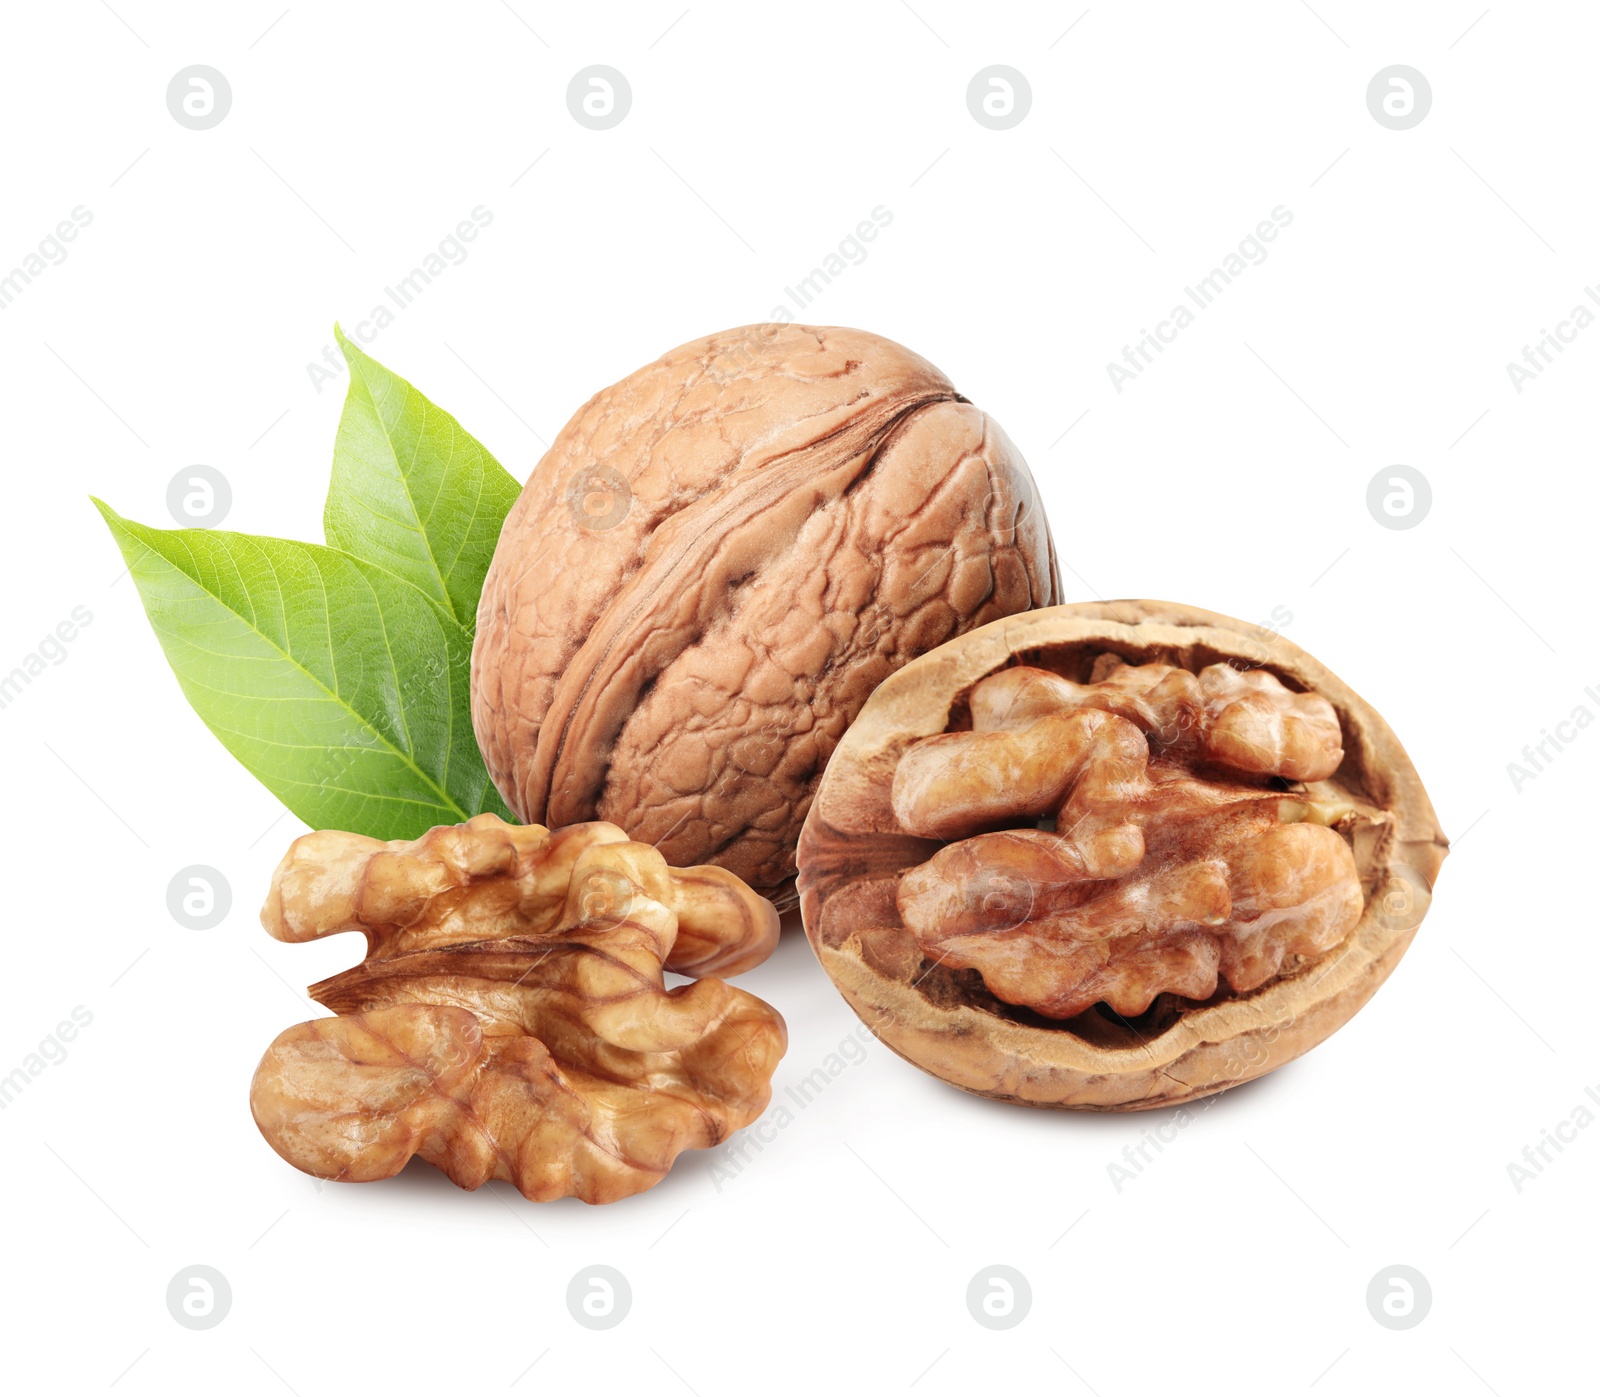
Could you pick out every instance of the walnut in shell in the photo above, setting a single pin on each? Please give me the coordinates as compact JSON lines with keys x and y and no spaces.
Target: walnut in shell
{"x":1114,"y":856}
{"x":510,"y":1020}
{"x":716,"y":563}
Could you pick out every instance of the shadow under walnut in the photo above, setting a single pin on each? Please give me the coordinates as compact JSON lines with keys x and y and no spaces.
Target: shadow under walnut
{"x":860,"y":868}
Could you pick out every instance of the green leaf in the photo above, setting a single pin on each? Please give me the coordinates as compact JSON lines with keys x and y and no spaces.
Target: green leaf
{"x":340,"y":686}
{"x":412,"y":491}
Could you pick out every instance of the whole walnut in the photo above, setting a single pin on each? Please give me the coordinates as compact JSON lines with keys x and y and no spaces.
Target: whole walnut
{"x":716,"y":563}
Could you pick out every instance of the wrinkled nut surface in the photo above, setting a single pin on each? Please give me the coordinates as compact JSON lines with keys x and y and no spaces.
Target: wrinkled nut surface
{"x":716,"y":563}
{"x":510,"y":1020}
{"x":1114,"y":856}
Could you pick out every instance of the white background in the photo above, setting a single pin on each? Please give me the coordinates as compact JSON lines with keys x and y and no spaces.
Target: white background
{"x":1232,"y":474}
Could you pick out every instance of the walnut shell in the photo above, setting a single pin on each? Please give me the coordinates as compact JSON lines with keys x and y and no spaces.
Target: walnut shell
{"x":882,"y":903}
{"x":717,"y":562}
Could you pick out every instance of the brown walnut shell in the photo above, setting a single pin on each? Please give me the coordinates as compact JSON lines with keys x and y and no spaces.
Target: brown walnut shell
{"x":716,"y":563}
{"x":1011,"y":995}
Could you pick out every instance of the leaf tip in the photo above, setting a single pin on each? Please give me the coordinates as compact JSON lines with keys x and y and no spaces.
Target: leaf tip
{"x":352,"y":355}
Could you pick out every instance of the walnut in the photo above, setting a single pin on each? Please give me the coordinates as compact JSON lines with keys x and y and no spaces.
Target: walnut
{"x":510,"y":1020}
{"x":1114,"y":856}
{"x":716,"y":563}
{"x":1153,"y":880}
